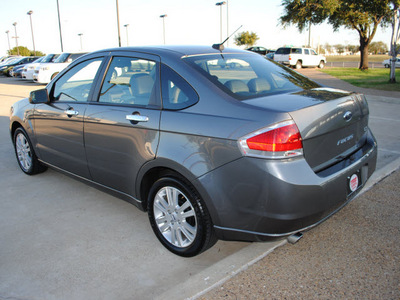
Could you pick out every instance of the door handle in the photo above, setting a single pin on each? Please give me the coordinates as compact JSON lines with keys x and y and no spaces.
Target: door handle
{"x":137,"y":118}
{"x":70,"y":112}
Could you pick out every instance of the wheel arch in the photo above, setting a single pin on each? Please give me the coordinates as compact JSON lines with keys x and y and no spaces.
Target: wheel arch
{"x":159,"y":168}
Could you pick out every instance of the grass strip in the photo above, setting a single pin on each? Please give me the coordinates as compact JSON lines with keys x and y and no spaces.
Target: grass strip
{"x":373,"y":78}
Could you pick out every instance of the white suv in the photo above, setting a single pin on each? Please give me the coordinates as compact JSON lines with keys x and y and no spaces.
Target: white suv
{"x":299,"y":57}
{"x":44,"y":73}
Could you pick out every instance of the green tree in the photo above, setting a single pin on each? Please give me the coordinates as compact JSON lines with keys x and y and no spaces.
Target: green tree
{"x":339,"y":48}
{"x":378,"y":47}
{"x":364,"y":16}
{"x":353,"y":48}
{"x":23,"y":51}
{"x":246,"y":38}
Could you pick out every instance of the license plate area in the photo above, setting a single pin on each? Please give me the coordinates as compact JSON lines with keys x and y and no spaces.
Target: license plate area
{"x":354,"y":182}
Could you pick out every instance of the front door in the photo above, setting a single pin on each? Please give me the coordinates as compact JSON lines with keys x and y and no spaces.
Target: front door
{"x":59,"y":124}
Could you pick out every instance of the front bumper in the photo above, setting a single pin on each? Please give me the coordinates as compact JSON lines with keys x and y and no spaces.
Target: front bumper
{"x":256,"y":199}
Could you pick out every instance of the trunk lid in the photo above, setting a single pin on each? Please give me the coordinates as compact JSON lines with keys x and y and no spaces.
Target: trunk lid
{"x":332,"y":123}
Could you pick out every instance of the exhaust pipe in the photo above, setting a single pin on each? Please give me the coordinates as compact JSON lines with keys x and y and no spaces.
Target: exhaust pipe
{"x":294,"y":238}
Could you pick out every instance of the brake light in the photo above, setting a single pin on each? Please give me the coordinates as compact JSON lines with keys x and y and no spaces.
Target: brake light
{"x":280,"y":140}
{"x":290,"y":58}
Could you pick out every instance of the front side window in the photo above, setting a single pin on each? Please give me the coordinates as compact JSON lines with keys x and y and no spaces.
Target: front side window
{"x":75,"y":84}
{"x":130,"y":81}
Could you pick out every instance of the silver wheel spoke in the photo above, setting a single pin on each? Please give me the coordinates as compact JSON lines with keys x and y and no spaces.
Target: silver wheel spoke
{"x":23,"y":152}
{"x":177,"y":224}
{"x":188,"y":231}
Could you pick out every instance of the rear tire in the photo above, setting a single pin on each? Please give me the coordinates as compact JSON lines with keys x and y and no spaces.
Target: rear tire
{"x":179,"y":217}
{"x":26,"y":157}
{"x":298,"y":65}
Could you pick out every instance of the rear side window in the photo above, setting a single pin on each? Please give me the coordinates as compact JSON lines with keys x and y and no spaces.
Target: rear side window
{"x":176,"y":92}
{"x":296,"y":50}
{"x":130,"y":81}
{"x":283,"y":51}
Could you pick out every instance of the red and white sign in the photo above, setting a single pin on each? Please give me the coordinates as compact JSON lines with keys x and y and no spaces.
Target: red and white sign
{"x":353,"y":182}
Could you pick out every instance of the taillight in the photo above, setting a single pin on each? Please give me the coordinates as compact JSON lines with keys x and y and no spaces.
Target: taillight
{"x":290,"y":58}
{"x":281,"y":140}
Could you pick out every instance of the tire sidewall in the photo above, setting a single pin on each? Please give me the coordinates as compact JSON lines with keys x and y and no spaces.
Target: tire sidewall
{"x":198,"y":243}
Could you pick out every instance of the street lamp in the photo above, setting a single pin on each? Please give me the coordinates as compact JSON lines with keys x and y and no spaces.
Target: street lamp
{"x":119,"y":33}
{"x":220,"y":12}
{"x":33,"y":39}
{"x":16,"y":36}
{"x":8,"y":39}
{"x":59,"y":26}
{"x":80,"y":37}
{"x":163,"y":17}
{"x":127,"y":40}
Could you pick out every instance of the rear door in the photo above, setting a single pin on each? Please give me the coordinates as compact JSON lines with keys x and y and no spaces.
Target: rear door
{"x":122,"y":124}
{"x":59,"y":124}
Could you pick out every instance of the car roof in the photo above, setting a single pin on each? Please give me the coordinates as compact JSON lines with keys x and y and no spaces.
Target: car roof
{"x":182,"y":50}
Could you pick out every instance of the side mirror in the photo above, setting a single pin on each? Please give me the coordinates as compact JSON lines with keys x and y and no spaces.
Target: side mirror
{"x":39,"y":96}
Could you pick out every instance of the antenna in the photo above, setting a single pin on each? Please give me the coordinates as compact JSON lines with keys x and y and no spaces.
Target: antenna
{"x":220,"y":46}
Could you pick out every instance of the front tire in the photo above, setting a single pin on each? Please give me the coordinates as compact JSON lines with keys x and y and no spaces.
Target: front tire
{"x":26,"y":157}
{"x":321,"y":64}
{"x":179,"y":217}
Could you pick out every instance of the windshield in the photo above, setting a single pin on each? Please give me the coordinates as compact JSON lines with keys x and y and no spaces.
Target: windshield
{"x":249,"y":76}
{"x":48,"y":58}
{"x":62,"y":58}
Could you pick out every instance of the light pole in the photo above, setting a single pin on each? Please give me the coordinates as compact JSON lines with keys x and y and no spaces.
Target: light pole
{"x":59,"y":26}
{"x":127,"y":40}
{"x":227,"y":22}
{"x":8,"y":39}
{"x":16,"y":36}
{"x":119,"y":33}
{"x":163,"y":17}
{"x":220,"y":19}
{"x":80,"y":37}
{"x":33,"y":39}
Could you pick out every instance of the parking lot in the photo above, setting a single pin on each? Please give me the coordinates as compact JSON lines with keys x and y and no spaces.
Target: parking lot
{"x":61,"y":239}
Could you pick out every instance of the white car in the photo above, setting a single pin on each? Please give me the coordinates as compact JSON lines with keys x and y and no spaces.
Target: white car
{"x":299,"y":57}
{"x":29,"y":69}
{"x":386,"y":63}
{"x":45,"y":72}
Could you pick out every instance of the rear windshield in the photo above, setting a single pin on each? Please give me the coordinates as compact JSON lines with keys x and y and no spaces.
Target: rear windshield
{"x":248,"y":76}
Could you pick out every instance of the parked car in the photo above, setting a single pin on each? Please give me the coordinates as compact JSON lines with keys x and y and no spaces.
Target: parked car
{"x":299,"y":57}
{"x":29,"y":69}
{"x":259,"y":50}
{"x":386,"y":63}
{"x":47,"y":71}
{"x":249,"y":153}
{"x":7,"y":68}
{"x":17,"y":71}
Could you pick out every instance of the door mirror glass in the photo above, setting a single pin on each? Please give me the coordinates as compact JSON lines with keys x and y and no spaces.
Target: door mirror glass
{"x":39,"y":96}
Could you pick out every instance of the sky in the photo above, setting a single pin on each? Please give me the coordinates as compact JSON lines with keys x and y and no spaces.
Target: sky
{"x":188,"y":22}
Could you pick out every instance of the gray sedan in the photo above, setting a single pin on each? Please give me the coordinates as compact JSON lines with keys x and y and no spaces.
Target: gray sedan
{"x":213,"y":144}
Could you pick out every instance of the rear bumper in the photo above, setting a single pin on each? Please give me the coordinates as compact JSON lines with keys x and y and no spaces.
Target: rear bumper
{"x":256,"y":199}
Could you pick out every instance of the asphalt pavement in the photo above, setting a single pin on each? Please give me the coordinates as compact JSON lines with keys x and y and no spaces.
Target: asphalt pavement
{"x":61,"y":239}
